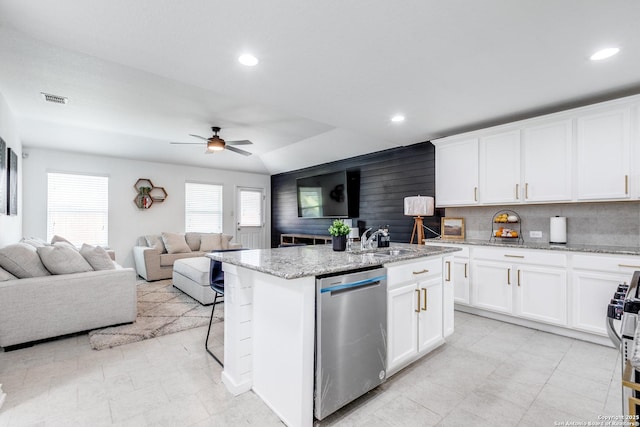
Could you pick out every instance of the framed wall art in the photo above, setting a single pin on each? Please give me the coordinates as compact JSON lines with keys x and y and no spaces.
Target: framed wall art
{"x":12,"y":182}
{"x":3,"y":177}
{"x":452,"y":228}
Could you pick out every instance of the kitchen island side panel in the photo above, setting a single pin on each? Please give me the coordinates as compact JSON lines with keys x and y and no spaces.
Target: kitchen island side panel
{"x":283,"y":345}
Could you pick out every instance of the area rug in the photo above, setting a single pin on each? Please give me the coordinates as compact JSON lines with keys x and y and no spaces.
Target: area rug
{"x":162,"y":310}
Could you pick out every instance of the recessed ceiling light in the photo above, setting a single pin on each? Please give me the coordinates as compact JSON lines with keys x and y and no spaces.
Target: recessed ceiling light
{"x":397,"y":118}
{"x":604,"y":53}
{"x":248,"y":60}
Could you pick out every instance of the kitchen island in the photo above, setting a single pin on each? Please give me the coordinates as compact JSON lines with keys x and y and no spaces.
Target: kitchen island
{"x":270,"y":317}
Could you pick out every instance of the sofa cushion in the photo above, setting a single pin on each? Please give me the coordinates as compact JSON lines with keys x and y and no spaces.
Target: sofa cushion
{"x":56,"y":239}
{"x":226,"y":238}
{"x":167,"y":260}
{"x":155,"y":241}
{"x":97,"y":257}
{"x":193,"y":240}
{"x":34,"y":241}
{"x":59,"y":258}
{"x":175,"y":243}
{"x":210,"y":242}
{"x":5,"y":275}
{"x":22,"y":260}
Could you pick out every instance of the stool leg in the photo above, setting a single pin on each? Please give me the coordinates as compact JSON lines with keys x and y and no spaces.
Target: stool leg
{"x":206,"y":342}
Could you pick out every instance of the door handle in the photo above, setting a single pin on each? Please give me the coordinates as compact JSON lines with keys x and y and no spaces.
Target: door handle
{"x":417,"y":310}
{"x":465,"y":270}
{"x":475,"y":194}
{"x":508,"y":276}
{"x":626,"y":184}
{"x":421,"y":272}
{"x":517,"y":191}
{"x":424,"y":299}
{"x":518,"y":277}
{"x":448,"y":279}
{"x":526,"y":190}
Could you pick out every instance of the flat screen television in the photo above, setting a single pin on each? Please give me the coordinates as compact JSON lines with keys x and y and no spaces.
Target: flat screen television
{"x":330,"y":195}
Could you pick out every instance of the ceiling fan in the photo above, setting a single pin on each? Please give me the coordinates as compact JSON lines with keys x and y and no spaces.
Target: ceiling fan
{"x":215,"y":143}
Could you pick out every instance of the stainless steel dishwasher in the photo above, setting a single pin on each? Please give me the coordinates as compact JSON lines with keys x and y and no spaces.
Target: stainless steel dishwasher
{"x":351,"y":337}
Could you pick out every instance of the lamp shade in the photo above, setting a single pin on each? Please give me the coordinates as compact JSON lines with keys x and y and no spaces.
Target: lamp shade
{"x":419,"y":206}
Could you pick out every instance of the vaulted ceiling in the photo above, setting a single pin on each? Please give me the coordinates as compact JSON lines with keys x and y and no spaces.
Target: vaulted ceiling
{"x":331,"y":74}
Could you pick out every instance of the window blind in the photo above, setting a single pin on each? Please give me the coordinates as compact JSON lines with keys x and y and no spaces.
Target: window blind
{"x":250,"y":208}
{"x":78,"y":208}
{"x":203,"y":208}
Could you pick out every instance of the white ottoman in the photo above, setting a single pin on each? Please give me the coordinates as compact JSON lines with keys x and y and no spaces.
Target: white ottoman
{"x":191,"y":276}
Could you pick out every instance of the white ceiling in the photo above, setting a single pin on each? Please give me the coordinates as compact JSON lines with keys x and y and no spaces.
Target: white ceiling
{"x":139,"y":74}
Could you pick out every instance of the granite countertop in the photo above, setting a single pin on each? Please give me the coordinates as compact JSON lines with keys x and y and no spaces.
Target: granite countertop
{"x":302,"y":261}
{"x":568,"y":247}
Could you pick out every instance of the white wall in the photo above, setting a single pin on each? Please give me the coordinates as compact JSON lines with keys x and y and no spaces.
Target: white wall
{"x":11,"y":226}
{"x":126,"y":221}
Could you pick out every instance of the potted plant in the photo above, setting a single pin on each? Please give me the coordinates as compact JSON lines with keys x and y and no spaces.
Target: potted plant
{"x":339,"y":231}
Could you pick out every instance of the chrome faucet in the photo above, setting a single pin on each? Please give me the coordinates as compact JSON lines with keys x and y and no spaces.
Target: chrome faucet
{"x":363,"y":239}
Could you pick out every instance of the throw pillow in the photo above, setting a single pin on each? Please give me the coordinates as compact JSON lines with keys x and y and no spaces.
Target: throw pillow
{"x":175,"y":243}
{"x":155,"y":241}
{"x":97,"y":257}
{"x":225,"y":241}
{"x":56,"y":239}
{"x":59,"y":258}
{"x":5,"y":275}
{"x":193,"y":240}
{"x":34,"y":241}
{"x":22,"y":260}
{"x":211,"y":242}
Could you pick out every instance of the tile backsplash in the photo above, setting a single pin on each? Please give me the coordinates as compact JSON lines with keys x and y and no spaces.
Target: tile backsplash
{"x":602,"y":223}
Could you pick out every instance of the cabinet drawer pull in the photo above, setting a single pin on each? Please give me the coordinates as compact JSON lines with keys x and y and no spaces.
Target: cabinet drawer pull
{"x":421,"y":272}
{"x":417,"y":310}
{"x":424,"y":299}
{"x":517,"y":191}
{"x":514,"y":256}
{"x":475,"y":194}
{"x":626,"y":184}
{"x":628,"y":266}
{"x":508,"y":276}
{"x":448,"y":279}
{"x":465,"y":270}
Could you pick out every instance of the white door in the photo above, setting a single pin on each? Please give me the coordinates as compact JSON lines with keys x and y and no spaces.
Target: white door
{"x":402,"y":325}
{"x":542,"y":294}
{"x":250,"y":217}
{"x":500,"y":168}
{"x":492,"y":286}
{"x":430,"y":330}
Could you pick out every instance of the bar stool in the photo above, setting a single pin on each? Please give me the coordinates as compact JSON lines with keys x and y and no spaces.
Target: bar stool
{"x":217,"y":285}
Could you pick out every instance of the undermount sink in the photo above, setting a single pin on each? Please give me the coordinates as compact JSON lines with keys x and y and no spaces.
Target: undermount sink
{"x":385,"y":253}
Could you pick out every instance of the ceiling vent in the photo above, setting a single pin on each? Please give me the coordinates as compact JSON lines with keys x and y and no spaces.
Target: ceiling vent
{"x":54,"y":98}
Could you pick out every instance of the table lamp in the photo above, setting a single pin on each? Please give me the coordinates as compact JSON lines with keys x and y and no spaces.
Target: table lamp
{"x":417,"y":207}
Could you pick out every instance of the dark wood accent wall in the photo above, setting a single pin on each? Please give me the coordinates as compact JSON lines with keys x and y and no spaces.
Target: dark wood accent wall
{"x":386,"y":178}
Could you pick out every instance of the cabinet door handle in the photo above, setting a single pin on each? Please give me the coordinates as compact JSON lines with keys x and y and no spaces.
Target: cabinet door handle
{"x":508,"y":276}
{"x":628,"y":266}
{"x":424,"y":299}
{"x":475,"y":194}
{"x":514,"y":256}
{"x":526,"y":190}
{"x":517,"y":191}
{"x":465,"y":270}
{"x":421,"y":272}
{"x":518,"y":277}
{"x":417,"y":310}
{"x":448,"y":279}
{"x":626,"y":184}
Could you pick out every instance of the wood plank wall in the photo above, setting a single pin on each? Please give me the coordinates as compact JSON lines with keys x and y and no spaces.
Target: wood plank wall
{"x":386,"y":178}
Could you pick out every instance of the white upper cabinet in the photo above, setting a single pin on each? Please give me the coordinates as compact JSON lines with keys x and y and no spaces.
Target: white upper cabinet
{"x":546,"y":160}
{"x":457,"y":173}
{"x":584,"y":154}
{"x":603,"y":148}
{"x":500,"y":168}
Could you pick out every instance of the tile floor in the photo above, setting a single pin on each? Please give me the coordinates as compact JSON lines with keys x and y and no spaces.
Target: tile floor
{"x":488,"y":374}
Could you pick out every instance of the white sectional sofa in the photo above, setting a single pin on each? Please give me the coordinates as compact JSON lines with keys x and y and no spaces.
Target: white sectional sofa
{"x":37,"y":303}
{"x":155,"y":254}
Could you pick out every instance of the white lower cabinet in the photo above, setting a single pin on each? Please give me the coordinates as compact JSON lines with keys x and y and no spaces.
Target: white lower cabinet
{"x":448,"y":294}
{"x":492,"y":286}
{"x":414,"y":311}
{"x":541,"y":294}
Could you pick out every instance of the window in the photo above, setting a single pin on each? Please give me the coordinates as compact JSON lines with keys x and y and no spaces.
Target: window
{"x":78,"y":208}
{"x":203,"y":207}
{"x":250,"y":208}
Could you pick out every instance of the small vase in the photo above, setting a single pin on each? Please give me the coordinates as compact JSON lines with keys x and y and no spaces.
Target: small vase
{"x":339,"y":243}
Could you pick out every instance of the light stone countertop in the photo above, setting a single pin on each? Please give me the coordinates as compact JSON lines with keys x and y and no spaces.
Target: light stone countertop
{"x":568,"y":247}
{"x":314,"y":260}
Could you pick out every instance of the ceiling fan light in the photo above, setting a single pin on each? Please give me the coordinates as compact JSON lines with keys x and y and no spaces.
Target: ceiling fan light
{"x":215,"y":145}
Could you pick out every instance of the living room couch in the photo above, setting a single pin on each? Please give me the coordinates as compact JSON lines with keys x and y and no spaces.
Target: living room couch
{"x":155,"y":254}
{"x":45,"y":304}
